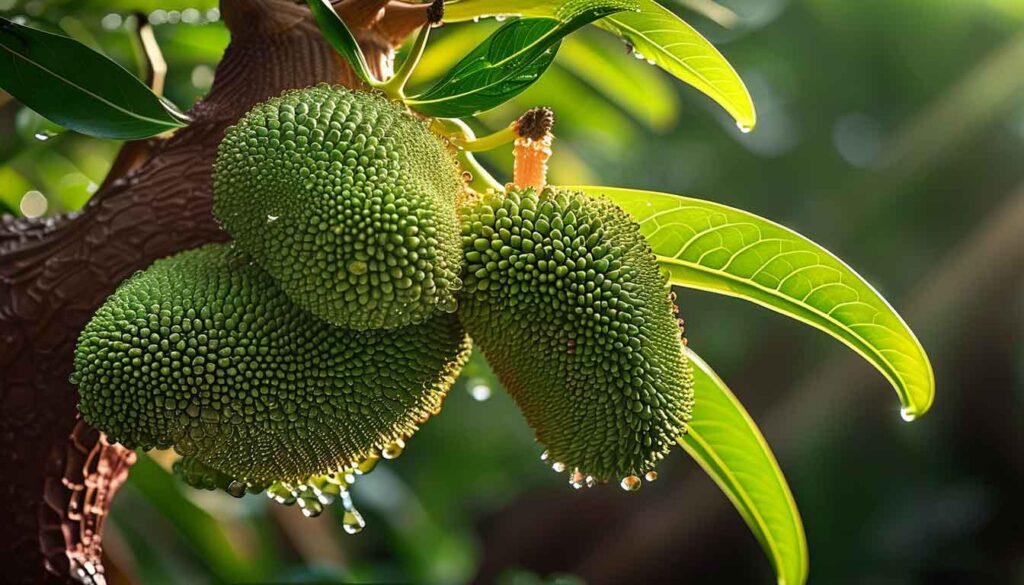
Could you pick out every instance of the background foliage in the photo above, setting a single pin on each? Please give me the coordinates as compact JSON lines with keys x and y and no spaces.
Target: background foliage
{"x":889,"y":131}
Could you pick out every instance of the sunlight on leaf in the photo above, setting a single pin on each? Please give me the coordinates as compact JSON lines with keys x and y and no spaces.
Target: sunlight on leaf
{"x":504,"y":65}
{"x":726,"y":442}
{"x":712,"y":247}
{"x":657,"y":34}
{"x":78,"y":88}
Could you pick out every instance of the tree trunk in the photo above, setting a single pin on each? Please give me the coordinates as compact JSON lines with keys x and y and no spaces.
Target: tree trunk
{"x":59,"y":475}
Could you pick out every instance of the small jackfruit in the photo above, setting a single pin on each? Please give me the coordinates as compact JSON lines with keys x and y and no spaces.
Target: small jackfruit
{"x":564,"y":296}
{"x":348,"y":200}
{"x":203,"y":352}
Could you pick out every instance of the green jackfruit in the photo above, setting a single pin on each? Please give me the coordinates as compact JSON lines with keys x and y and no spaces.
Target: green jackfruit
{"x":203,"y":352}
{"x":348,"y":200}
{"x":564,"y":297}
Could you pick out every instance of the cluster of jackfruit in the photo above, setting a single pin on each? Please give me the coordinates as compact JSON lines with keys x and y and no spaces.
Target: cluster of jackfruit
{"x":324,"y":334}
{"x":327,"y":331}
{"x":564,"y":297}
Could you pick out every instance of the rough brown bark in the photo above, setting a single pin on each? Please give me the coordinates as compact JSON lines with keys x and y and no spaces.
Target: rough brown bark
{"x":58,"y":476}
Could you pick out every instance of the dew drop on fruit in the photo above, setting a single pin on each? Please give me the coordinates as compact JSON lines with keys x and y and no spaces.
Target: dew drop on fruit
{"x":558,"y":466}
{"x":393,"y":450}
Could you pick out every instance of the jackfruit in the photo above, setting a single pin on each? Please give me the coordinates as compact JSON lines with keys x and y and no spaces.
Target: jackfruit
{"x":203,"y":352}
{"x":348,"y":200}
{"x":564,"y":297}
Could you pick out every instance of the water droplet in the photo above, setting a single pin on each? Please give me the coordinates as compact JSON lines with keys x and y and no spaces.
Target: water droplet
{"x":480,"y":392}
{"x":744,"y":128}
{"x":272,"y":218}
{"x":500,"y":17}
{"x":576,"y":480}
{"x":310,"y":508}
{"x":393,"y":450}
{"x":651,"y":475}
{"x":353,"y":522}
{"x":591,"y":482}
{"x":639,"y":56}
{"x":558,"y":466}
{"x":476,"y":19}
{"x":544,"y":456}
{"x":908,"y":415}
{"x":630,"y":483}
{"x":236,"y":489}
{"x":44,"y":135}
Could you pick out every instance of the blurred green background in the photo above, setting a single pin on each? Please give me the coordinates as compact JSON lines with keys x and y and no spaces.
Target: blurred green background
{"x":890,"y":131}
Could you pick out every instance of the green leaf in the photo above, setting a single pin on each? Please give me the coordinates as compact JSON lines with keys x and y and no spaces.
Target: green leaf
{"x":716,"y":248}
{"x":504,"y":65}
{"x":340,"y":37}
{"x":564,"y":10}
{"x":724,"y":440}
{"x":665,"y":39}
{"x":78,"y":88}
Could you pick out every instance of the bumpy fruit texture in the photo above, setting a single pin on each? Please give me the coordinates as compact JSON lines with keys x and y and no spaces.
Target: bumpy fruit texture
{"x":348,"y":201}
{"x":203,"y":352}
{"x":565,"y":299}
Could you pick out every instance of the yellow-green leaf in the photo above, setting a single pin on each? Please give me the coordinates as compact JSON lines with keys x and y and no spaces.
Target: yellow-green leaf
{"x":660,"y":36}
{"x":724,"y":440}
{"x":720,"y":249}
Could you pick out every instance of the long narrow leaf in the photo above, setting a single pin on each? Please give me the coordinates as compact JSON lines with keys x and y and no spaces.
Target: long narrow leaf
{"x":716,"y":248}
{"x":659,"y":35}
{"x":504,"y":65}
{"x":724,"y":440}
{"x":78,"y":88}
{"x":340,"y":37}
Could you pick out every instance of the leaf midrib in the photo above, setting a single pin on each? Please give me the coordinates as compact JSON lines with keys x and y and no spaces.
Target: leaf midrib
{"x":86,"y":91}
{"x":861,"y":346}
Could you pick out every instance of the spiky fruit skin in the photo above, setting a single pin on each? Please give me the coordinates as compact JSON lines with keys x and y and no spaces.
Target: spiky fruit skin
{"x":564,"y":296}
{"x":348,"y":201}
{"x":203,"y":352}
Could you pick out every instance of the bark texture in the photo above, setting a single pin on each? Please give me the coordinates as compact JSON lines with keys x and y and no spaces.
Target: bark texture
{"x":58,"y":475}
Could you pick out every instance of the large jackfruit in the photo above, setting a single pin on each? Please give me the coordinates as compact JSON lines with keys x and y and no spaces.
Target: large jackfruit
{"x":565,"y":299}
{"x":348,"y":200}
{"x":203,"y":352}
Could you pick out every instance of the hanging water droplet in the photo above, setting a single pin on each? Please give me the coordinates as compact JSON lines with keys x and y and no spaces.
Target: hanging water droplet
{"x":476,"y":19}
{"x":310,"y":508}
{"x":630,"y":483}
{"x":639,"y":56}
{"x":591,"y":482}
{"x":744,"y":128}
{"x":576,"y":480}
{"x":908,"y":415}
{"x":480,"y":392}
{"x":651,"y":475}
{"x":44,"y":135}
{"x":500,"y":17}
{"x":558,"y":466}
{"x":352,"y":521}
{"x":393,"y":450}
{"x":544,"y":456}
{"x":651,"y":62}
{"x":236,"y":489}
